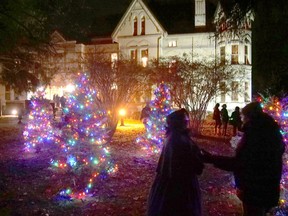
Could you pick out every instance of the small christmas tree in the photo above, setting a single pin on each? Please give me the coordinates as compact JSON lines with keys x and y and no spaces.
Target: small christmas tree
{"x":38,"y":131}
{"x":85,"y":155}
{"x":160,"y":108}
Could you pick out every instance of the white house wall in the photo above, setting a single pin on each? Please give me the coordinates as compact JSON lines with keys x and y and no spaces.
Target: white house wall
{"x":199,"y":45}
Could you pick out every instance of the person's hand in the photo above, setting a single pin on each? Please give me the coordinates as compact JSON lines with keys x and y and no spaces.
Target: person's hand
{"x":206,"y":156}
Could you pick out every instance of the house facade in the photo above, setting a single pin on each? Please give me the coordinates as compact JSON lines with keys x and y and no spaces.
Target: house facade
{"x":150,"y":30}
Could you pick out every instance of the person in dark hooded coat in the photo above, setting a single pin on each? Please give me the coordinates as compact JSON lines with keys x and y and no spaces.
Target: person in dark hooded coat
{"x":257,"y":164}
{"x":175,"y":191}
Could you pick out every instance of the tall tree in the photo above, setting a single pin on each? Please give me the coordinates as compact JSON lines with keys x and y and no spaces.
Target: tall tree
{"x":24,"y":43}
{"x":117,"y":83}
{"x":194,"y":83}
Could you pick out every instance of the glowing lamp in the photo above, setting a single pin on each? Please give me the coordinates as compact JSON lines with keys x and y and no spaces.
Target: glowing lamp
{"x":122,"y":113}
{"x":14,"y":112}
{"x":70,"y":88}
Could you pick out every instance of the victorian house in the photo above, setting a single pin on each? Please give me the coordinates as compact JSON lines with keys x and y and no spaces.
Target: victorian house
{"x":154,"y":29}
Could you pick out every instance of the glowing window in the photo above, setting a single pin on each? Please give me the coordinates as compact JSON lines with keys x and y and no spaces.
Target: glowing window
{"x":222,"y":55}
{"x":133,"y":55}
{"x":234,"y":57}
{"x":114,"y":57}
{"x":172,"y":43}
{"x":235,"y":91}
{"x":246,"y":58}
{"x":144,"y":57}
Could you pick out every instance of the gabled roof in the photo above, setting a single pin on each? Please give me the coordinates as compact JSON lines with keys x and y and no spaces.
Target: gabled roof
{"x":175,"y":16}
{"x":56,"y":37}
{"x":146,"y":9}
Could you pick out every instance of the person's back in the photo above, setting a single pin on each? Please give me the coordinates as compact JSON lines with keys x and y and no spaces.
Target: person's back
{"x":261,"y":158}
{"x":176,"y":191}
{"x":224,"y":119}
{"x":235,"y":120}
{"x":217,"y":118}
{"x":145,"y":112}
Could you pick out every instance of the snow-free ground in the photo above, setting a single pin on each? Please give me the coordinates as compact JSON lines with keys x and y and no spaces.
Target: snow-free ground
{"x":28,"y":185}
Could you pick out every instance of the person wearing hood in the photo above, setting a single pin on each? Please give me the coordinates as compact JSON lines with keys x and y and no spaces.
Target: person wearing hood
{"x":175,"y":191}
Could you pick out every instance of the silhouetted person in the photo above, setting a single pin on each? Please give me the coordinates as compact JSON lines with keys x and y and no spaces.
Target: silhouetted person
{"x":175,"y":191}
{"x":217,"y":118}
{"x":257,"y":164}
{"x":224,"y":119}
{"x":235,"y":120}
{"x":145,"y":113}
{"x":62,"y":101}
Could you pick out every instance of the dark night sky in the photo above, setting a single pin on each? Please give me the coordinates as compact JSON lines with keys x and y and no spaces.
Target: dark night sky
{"x":85,"y":19}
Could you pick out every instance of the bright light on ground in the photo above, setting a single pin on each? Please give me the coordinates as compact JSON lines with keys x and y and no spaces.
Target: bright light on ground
{"x":131,"y":124}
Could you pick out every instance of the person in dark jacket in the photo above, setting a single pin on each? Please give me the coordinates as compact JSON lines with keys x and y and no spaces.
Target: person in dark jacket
{"x":217,"y":118}
{"x":257,"y":164}
{"x":224,"y":119}
{"x":235,"y":120}
{"x":145,"y":113}
{"x":175,"y":191}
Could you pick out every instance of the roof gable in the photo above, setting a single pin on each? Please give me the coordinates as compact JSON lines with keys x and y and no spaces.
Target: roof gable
{"x":56,"y":37}
{"x":137,"y":5}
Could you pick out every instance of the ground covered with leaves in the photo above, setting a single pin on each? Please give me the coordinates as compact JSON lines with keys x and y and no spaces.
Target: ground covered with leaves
{"x":28,"y":185}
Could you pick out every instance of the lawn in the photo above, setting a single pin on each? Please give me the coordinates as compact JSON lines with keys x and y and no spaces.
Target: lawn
{"x":28,"y":185}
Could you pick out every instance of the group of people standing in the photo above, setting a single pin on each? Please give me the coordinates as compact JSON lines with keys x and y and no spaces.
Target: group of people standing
{"x":256,"y":165}
{"x":222,"y":119}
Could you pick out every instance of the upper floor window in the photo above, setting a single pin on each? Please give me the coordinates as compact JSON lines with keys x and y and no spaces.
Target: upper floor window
{"x":135,"y":25}
{"x":222,"y":55}
{"x":143,"y":25}
{"x":172,"y":43}
{"x":235,"y":91}
{"x":234,"y":57}
{"x":144,"y":57}
{"x":246,"y":57}
{"x":7,"y":92}
{"x":246,"y":94}
{"x":133,"y":55}
{"x":223,"y":92}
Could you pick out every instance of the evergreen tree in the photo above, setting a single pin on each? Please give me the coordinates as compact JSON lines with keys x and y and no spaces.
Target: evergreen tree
{"x":38,"y":131}
{"x":160,"y":108}
{"x":85,"y":155}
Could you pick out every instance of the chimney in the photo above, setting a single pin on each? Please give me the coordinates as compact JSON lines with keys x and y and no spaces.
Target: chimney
{"x":200,"y":13}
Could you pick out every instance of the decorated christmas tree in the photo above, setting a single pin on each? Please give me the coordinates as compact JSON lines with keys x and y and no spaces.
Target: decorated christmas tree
{"x":278,"y":109}
{"x":85,"y":155}
{"x":153,"y":139}
{"x":38,"y":132}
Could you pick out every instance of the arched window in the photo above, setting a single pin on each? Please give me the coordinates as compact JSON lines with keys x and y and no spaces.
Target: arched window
{"x":143,"y":25}
{"x":135,"y":32}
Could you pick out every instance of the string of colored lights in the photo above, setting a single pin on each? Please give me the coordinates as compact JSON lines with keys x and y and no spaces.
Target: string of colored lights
{"x":85,"y":154}
{"x":160,"y":107}
{"x":38,"y":131}
{"x":278,"y":109}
